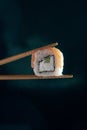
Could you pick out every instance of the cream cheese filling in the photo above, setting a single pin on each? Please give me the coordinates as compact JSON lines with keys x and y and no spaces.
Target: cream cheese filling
{"x":47,"y":64}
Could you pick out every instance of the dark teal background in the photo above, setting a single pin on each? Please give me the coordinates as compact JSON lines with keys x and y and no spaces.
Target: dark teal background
{"x":54,"y":104}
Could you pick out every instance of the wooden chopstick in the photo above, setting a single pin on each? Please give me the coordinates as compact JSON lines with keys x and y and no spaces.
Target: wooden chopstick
{"x":25,"y":54}
{"x":28,"y":77}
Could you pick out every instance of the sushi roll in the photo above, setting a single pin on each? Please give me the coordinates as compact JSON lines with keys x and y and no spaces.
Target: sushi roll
{"x":47,"y":62}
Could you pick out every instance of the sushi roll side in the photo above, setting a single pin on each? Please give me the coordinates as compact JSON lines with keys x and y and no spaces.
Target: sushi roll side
{"x":47,"y":62}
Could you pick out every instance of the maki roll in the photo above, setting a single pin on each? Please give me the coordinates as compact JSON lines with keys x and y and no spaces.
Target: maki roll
{"x":47,"y":62}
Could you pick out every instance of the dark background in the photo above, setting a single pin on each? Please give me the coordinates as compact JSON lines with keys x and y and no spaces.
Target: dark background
{"x":43,"y":104}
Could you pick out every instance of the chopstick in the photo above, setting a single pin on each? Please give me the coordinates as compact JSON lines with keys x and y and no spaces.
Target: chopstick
{"x":25,"y":54}
{"x":30,"y":77}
